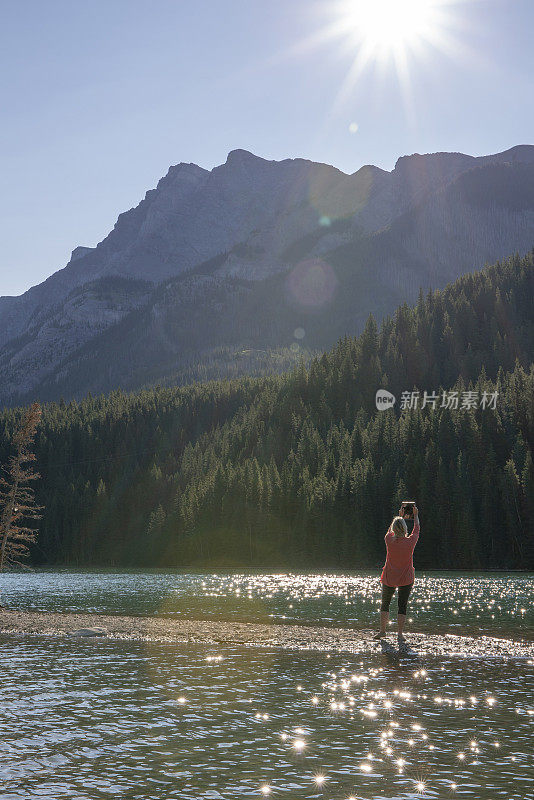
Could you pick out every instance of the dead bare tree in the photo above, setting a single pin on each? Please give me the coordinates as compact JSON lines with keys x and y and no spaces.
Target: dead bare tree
{"x":17,"y":501}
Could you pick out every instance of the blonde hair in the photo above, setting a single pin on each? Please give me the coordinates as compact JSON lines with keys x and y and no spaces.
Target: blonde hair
{"x":399,"y":527}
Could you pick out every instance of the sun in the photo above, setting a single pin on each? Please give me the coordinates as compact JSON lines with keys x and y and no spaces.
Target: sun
{"x":392,"y":36}
{"x":379,"y":40}
{"x":381,"y":26}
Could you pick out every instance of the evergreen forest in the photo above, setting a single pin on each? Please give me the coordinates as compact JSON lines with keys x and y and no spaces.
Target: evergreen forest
{"x":300,"y":470}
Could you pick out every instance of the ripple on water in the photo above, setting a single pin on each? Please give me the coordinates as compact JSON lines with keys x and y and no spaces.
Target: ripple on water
{"x":440,"y":601}
{"x":83,"y":719}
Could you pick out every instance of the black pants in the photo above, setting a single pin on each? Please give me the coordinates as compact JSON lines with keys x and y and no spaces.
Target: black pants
{"x":402,"y":597}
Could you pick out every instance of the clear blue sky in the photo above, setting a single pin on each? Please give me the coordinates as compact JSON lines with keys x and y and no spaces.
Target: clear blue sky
{"x":99,"y":98}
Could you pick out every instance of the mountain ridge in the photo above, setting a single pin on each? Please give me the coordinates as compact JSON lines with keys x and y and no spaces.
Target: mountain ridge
{"x":376,"y":235}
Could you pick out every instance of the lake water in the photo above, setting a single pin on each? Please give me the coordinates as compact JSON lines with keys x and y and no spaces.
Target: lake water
{"x":131,"y":719}
{"x":488,"y":603}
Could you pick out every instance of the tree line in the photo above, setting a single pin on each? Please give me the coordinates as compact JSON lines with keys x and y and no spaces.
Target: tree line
{"x":300,"y":470}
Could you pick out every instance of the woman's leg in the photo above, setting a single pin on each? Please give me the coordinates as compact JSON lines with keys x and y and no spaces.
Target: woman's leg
{"x":404,"y":593}
{"x":387,"y":594}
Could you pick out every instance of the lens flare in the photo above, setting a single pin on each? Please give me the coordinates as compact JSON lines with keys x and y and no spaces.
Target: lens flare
{"x":312,"y":283}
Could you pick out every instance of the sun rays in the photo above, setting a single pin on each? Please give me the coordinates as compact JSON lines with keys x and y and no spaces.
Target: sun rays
{"x":384,"y":40}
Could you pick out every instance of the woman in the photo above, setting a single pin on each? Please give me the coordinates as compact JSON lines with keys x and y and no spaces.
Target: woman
{"x":398,"y":570}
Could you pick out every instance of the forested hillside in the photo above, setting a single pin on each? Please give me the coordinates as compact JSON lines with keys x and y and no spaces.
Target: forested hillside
{"x":301,"y":470}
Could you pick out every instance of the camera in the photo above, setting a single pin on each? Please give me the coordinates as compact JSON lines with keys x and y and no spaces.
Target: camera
{"x":407,"y":507}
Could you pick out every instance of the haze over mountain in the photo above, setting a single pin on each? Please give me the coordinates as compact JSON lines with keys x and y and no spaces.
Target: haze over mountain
{"x":220,"y":272}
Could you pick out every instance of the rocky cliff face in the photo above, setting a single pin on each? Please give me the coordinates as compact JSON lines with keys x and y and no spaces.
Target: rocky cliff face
{"x":243,"y":255}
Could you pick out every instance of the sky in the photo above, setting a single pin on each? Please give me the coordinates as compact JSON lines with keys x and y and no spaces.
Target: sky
{"x":99,"y":98}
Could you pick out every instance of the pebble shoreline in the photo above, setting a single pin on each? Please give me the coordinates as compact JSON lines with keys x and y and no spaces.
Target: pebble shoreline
{"x":300,"y":637}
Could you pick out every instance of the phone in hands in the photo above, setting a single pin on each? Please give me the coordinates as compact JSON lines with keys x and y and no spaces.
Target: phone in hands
{"x":407,"y":509}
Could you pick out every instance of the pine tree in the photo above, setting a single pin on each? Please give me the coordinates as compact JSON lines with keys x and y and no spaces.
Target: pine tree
{"x":17,"y":496}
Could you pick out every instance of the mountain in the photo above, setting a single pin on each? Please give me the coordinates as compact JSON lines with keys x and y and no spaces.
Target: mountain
{"x":300,"y":470}
{"x":243,"y":267}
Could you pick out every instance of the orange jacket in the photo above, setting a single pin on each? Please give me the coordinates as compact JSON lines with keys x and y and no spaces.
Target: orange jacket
{"x":398,"y":569}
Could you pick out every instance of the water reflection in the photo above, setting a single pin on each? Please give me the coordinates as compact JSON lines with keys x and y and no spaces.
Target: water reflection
{"x":440,"y":601}
{"x":84,"y":719}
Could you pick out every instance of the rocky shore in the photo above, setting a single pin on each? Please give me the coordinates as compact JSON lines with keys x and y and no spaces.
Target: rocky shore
{"x":301,"y":637}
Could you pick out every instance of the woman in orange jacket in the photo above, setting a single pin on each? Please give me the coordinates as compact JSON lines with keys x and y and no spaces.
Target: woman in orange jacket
{"x":398,"y":572}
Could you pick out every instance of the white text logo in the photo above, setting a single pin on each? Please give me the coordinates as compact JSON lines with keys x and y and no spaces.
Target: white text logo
{"x":384,"y":399}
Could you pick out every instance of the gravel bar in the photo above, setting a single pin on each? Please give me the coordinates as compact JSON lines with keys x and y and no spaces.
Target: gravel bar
{"x":300,"y":637}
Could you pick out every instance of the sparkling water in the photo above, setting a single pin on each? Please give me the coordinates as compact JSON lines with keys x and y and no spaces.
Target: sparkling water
{"x":103,"y":718}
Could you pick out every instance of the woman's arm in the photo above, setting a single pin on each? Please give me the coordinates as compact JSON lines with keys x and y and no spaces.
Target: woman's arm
{"x":415,"y":532}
